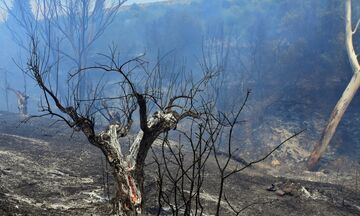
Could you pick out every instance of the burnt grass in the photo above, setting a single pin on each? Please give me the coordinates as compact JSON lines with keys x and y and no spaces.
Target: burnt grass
{"x":45,"y":170}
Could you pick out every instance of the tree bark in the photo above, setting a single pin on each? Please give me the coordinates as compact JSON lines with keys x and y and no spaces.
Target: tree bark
{"x":128,"y":170}
{"x":128,"y":196}
{"x":346,"y":97}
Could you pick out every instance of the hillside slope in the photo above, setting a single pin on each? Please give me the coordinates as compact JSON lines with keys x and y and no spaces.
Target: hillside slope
{"x":45,"y":172}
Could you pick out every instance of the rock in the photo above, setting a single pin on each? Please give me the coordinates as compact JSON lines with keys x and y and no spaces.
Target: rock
{"x":325,"y":171}
{"x":271,"y":188}
{"x":275,"y":163}
{"x":288,"y":190}
{"x":280,"y":192}
{"x":282,"y":189}
{"x":306,"y":192}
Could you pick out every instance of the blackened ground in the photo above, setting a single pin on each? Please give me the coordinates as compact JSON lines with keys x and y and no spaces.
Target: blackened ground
{"x":46,"y":171}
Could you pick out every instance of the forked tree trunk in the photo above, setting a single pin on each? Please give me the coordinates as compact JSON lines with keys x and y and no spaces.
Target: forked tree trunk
{"x":128,"y":196}
{"x":128,"y":171}
{"x":346,"y":97}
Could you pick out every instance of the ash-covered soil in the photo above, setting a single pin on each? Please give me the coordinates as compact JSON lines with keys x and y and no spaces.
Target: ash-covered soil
{"x":46,"y":171}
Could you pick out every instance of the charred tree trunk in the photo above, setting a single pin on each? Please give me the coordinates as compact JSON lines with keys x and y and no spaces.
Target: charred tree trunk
{"x":128,"y":197}
{"x":128,"y":170}
{"x":346,"y":97}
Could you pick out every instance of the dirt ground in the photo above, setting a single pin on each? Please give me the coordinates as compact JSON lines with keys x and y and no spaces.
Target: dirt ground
{"x":45,"y":171}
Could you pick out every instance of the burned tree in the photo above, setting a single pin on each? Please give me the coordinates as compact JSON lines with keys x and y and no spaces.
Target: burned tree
{"x":70,"y":28}
{"x":79,"y":23}
{"x":182,"y":166}
{"x":20,"y":17}
{"x":22,"y":101}
{"x":347,"y":95}
{"x":160,"y":107}
{"x":6,"y":85}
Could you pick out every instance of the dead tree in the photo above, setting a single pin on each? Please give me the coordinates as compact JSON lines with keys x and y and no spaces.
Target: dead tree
{"x":180,"y":171}
{"x":79,"y":23}
{"x":347,"y":95}
{"x":70,"y":28}
{"x":182,"y":165}
{"x":22,"y":101}
{"x":168,"y":103}
{"x":6,"y":85}
{"x":21,"y":18}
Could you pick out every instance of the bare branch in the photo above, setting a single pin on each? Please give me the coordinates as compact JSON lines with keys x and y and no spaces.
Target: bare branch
{"x":356,"y":26}
{"x":266,"y":156}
